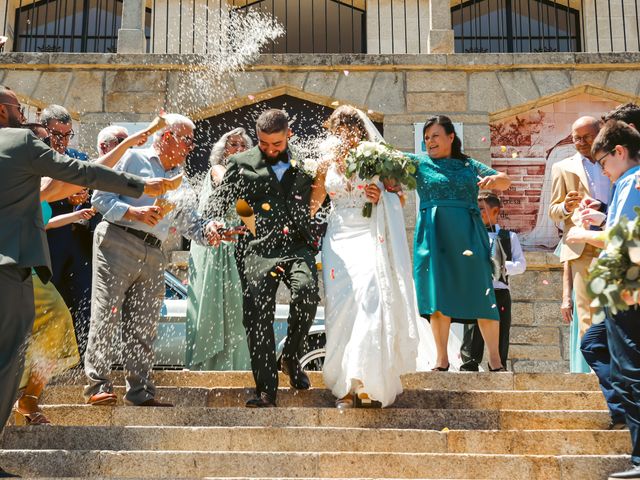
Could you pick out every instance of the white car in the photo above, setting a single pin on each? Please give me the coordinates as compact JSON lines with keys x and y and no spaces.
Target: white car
{"x":170,"y":345}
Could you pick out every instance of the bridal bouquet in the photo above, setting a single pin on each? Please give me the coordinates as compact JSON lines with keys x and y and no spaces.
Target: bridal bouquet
{"x":376,"y":159}
{"x":616,"y":274}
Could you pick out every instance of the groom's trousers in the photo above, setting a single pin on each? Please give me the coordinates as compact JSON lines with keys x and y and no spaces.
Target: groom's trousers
{"x":261,"y":277}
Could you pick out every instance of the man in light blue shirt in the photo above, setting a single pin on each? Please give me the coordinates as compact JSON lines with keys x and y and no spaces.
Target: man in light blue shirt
{"x":128,"y":266}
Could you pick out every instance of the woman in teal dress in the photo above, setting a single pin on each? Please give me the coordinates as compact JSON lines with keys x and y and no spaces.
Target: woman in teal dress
{"x":452,"y":259}
{"x":215,"y":335}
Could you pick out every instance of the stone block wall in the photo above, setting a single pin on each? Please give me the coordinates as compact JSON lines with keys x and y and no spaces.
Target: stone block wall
{"x":399,"y":91}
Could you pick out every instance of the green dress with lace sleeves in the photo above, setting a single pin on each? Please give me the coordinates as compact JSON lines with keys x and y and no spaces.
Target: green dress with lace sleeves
{"x":452,"y":258}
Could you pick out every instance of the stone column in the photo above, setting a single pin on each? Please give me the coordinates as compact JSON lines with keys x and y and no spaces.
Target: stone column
{"x":440,"y":31}
{"x":131,"y":37}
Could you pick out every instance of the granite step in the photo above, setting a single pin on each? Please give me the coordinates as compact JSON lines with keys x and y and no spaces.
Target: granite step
{"x":429,"y":419}
{"x":421,"y":380}
{"x":437,"y":419}
{"x":172,"y":464}
{"x":318,"y":439}
{"x":317,"y":397}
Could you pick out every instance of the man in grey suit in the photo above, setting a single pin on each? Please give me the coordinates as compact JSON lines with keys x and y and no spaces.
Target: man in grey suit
{"x":23,"y":244}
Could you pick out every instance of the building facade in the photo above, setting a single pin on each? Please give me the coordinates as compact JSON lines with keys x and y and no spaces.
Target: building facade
{"x":514,"y":74}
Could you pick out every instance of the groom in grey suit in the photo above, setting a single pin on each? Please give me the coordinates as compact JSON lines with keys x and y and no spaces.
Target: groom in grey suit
{"x":23,"y":244}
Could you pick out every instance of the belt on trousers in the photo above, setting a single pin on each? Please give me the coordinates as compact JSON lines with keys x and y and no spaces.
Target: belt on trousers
{"x":146,"y":237}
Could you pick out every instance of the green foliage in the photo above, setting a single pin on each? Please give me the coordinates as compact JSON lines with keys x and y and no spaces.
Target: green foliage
{"x":614,"y":271}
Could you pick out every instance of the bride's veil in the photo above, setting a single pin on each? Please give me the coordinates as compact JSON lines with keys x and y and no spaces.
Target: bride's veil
{"x":373,"y":134}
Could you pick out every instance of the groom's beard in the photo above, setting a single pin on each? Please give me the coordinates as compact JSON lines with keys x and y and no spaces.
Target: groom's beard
{"x":282,"y":157}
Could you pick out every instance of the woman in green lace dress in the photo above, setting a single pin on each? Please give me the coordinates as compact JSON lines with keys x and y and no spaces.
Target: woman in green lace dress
{"x":452,"y":259}
{"x":215,"y":335}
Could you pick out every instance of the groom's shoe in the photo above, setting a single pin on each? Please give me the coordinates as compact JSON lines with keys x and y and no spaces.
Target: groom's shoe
{"x":260,"y":401}
{"x":297,"y":378}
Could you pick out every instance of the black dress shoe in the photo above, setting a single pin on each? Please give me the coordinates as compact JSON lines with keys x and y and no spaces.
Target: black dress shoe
{"x":297,"y":378}
{"x":261,"y":401}
{"x":5,"y":474}
{"x":633,"y":473}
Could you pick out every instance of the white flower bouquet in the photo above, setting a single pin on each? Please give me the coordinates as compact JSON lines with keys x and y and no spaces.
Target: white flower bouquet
{"x":375,"y":159}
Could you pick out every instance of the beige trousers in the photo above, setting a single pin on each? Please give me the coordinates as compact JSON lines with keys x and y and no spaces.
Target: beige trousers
{"x":579,"y":272}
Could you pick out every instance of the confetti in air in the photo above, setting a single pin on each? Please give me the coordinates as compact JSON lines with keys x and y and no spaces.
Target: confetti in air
{"x":514,"y":155}
{"x":266,"y":207}
{"x":487,"y":292}
{"x":114,"y":310}
{"x":503,"y":149}
{"x":346,"y":73}
{"x":335,"y":104}
{"x":493,"y":306}
{"x":545,"y":282}
{"x":273,"y":274}
{"x":332,"y":274}
{"x":251,"y":97}
{"x":279,"y":269}
{"x":285,"y":230}
{"x":483,"y":139}
{"x":467,"y":253}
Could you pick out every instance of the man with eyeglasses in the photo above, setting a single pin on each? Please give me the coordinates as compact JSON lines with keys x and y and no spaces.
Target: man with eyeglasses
{"x":129,"y":264}
{"x":574,"y":179}
{"x":70,"y":246}
{"x":23,"y":161}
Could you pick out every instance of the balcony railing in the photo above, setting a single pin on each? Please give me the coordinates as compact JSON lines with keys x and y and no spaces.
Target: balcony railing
{"x":484,"y":26}
{"x":334,"y":26}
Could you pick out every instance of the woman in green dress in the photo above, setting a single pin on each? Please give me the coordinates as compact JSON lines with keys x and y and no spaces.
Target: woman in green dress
{"x":452,"y":258}
{"x":215,"y":335}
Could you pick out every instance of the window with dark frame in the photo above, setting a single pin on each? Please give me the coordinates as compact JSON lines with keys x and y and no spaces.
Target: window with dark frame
{"x":520,"y":26}
{"x":71,"y":26}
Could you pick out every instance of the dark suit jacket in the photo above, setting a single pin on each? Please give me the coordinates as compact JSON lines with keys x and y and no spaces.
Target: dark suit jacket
{"x":23,"y":161}
{"x":279,"y":207}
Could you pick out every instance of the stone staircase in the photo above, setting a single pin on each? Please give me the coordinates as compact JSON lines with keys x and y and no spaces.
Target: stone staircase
{"x":445,"y":425}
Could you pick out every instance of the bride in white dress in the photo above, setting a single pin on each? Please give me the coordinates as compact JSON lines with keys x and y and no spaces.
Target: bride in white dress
{"x":371,"y":316}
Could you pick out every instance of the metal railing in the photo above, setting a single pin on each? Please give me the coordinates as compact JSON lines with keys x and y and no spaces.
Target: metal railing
{"x":333,"y":26}
{"x":487,"y":26}
{"x":65,"y":25}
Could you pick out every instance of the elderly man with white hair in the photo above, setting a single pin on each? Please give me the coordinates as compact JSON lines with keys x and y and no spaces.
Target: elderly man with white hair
{"x":128,"y":267}
{"x":110,"y":137}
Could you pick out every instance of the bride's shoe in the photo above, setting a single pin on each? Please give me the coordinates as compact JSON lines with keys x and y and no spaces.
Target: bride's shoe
{"x":35,"y":417}
{"x":362,"y":400}
{"x":345,"y":402}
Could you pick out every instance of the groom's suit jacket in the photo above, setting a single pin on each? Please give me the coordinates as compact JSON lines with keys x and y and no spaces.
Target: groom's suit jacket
{"x":283,"y":221}
{"x":23,"y":161}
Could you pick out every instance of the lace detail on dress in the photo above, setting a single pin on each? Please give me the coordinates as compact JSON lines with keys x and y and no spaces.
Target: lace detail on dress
{"x":344,"y":193}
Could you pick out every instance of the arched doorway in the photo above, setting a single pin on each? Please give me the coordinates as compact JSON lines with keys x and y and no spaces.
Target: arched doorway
{"x":307,"y":118}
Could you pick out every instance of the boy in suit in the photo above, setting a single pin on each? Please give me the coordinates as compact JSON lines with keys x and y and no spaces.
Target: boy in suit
{"x":513,"y":263}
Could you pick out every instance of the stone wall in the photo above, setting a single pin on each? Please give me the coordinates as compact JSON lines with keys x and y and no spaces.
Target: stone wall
{"x":397,"y":90}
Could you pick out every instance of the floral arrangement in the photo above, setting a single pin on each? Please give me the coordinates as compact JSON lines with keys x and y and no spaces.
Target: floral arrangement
{"x":376,"y":159}
{"x":614,"y":279}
